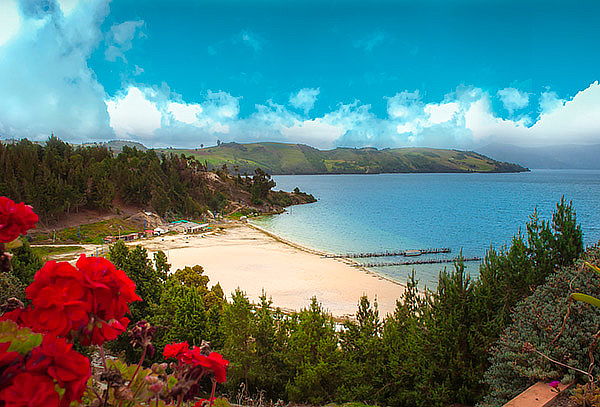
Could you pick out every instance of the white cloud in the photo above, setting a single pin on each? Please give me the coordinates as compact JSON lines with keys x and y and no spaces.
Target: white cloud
{"x":513,"y":99}
{"x":315,"y":132}
{"x":305,"y":99}
{"x":185,"y":113}
{"x":10,"y":20}
{"x":440,"y":113}
{"x":46,"y":84}
{"x":68,"y":6}
{"x":405,"y":105}
{"x":550,"y":101}
{"x":119,"y":39}
{"x":132,"y":114}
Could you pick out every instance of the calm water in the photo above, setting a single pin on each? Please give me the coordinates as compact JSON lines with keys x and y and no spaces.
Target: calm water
{"x":361,"y":213}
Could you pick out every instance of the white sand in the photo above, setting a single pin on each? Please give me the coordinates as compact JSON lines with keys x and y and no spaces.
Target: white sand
{"x":244,"y":257}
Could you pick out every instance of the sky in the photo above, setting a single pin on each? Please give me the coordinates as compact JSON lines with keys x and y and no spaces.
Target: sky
{"x":329,"y":73}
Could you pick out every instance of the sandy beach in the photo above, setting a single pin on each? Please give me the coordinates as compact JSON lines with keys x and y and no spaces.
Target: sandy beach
{"x":246,"y":257}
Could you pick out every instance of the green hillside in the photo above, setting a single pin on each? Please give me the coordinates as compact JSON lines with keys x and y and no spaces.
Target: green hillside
{"x":280,"y":158}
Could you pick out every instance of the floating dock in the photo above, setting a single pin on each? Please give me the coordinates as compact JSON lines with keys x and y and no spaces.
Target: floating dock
{"x":405,"y":253}
{"x":414,"y":262}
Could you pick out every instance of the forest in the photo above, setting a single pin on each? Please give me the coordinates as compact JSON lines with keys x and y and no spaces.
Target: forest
{"x":461,"y":343}
{"x":59,"y":179}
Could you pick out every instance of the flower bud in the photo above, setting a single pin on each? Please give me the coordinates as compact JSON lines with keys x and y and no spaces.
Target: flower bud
{"x":156,"y":387}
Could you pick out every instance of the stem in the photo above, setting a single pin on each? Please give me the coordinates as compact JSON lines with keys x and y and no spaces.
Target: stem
{"x":137,"y":369}
{"x":212,"y":393}
{"x":157,"y":400}
{"x":103,"y":357}
{"x":588,"y":374}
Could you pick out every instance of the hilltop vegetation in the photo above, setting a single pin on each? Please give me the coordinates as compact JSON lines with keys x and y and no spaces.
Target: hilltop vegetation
{"x":280,"y":158}
{"x":59,"y":179}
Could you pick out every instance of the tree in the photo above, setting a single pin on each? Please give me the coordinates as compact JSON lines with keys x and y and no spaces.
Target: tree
{"x":313,"y":356}
{"x":260,"y":186}
{"x":363,"y":362}
{"x":239,"y":342}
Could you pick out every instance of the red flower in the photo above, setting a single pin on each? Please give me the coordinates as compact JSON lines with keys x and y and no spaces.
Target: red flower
{"x":204,"y":402}
{"x":89,"y":301}
{"x":59,"y":300}
{"x":56,"y":358}
{"x":15,"y":219}
{"x":175,"y":350}
{"x":6,"y":357}
{"x":30,"y":390}
{"x":215,"y":362}
{"x":109,"y":292}
{"x":10,"y":363}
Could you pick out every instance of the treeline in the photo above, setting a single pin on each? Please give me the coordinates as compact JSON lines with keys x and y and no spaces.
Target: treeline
{"x":434,"y":350}
{"x":58,"y":179}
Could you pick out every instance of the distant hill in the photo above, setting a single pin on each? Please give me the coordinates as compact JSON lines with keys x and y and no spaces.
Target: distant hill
{"x":547,"y":157}
{"x":281,"y":158}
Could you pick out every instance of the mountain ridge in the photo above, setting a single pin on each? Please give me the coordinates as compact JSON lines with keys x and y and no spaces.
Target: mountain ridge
{"x":300,"y":159}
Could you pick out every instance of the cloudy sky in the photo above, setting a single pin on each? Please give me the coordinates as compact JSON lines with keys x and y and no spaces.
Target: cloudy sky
{"x":382,"y":73}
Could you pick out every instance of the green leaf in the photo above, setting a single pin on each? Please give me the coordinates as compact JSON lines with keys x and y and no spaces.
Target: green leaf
{"x":14,"y":244}
{"x":593,"y":267}
{"x":21,"y":340}
{"x":586,"y":298}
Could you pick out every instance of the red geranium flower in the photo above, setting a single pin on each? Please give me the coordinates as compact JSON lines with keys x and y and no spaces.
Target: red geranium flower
{"x":175,"y":350}
{"x":10,"y":363}
{"x":109,"y":292}
{"x":56,"y":358}
{"x":59,"y":300}
{"x":215,"y":362}
{"x":204,"y":402}
{"x":15,"y":219}
{"x":6,"y":357}
{"x":30,"y":390}
{"x":89,"y":301}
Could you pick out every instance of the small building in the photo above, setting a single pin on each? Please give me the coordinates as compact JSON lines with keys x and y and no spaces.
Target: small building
{"x":186,"y":226}
{"x":127,"y":238}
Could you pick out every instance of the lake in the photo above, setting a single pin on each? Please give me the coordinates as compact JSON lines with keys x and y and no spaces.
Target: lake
{"x":468,"y":212}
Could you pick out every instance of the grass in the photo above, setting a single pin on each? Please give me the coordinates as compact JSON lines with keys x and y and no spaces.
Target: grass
{"x":90,"y":233}
{"x":280,"y":158}
{"x":48,"y":251}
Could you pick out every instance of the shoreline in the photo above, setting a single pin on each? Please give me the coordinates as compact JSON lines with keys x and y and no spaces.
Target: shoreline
{"x":355,"y":264}
{"x":246,"y":256}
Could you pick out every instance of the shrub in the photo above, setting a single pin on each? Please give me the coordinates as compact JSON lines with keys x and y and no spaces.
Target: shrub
{"x":538,"y":324}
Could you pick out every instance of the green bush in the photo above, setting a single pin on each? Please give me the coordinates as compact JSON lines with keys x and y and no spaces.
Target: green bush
{"x":538,"y":320}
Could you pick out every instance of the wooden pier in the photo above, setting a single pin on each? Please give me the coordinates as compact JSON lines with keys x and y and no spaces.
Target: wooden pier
{"x":405,"y":253}
{"x":415,"y":262}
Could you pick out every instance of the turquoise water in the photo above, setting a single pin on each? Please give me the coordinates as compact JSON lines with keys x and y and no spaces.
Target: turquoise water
{"x":364,"y":213}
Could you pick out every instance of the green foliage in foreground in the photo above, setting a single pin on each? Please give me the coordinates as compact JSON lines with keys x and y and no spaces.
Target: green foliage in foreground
{"x":281,"y":158}
{"x":552,"y":324}
{"x":432,"y":351}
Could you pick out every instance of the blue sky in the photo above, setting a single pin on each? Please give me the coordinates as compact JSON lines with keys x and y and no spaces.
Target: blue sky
{"x":326,"y":73}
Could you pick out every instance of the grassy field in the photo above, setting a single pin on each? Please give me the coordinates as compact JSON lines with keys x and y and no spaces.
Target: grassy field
{"x":49,"y":251}
{"x":90,"y":233}
{"x":280,"y":158}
